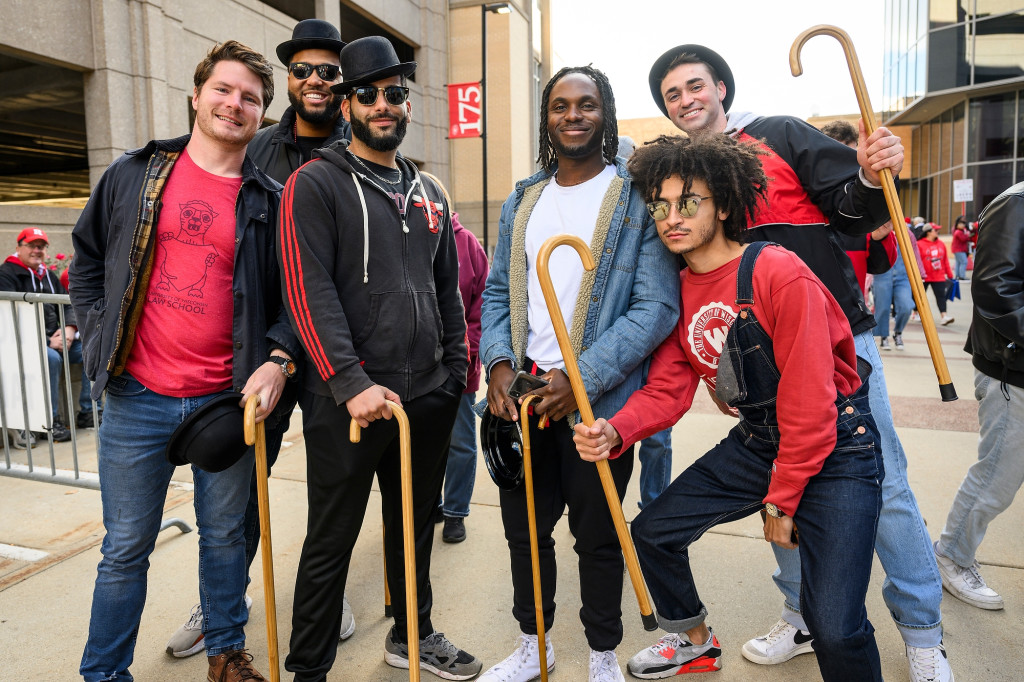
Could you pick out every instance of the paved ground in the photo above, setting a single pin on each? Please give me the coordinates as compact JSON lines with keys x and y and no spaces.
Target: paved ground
{"x":45,"y":597}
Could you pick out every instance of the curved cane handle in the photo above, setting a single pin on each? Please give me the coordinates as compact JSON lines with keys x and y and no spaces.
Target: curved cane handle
{"x":946,"y":389}
{"x":250,"y":418}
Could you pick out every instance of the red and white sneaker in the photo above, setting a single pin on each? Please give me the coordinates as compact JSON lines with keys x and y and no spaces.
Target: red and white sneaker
{"x":673,"y":655}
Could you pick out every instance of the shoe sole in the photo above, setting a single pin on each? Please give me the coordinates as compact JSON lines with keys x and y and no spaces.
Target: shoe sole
{"x":949,"y":321}
{"x":453,"y":540}
{"x":701,"y":664}
{"x":199,"y":645}
{"x":397,"y":661}
{"x":348,"y":633}
{"x":986,"y":605}
{"x":755,"y":656}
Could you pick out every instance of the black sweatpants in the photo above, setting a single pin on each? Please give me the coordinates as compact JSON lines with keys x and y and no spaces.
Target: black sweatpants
{"x":561,"y":479}
{"x":339,"y":476}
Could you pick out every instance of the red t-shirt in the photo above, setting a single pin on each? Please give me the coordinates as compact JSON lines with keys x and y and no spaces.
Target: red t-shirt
{"x":183,"y":339}
{"x":814,"y":352}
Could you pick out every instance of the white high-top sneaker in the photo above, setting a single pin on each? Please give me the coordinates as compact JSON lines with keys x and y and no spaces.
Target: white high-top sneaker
{"x":524,"y":663}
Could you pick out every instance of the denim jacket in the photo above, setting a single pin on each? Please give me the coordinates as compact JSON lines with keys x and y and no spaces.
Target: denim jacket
{"x":630,"y":300}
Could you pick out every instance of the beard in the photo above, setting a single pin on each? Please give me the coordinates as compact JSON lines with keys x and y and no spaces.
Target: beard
{"x":327,"y":115}
{"x":375,"y":139}
{"x":592,"y":146}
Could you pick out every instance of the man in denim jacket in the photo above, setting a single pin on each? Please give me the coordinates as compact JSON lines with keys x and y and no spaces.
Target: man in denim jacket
{"x":618,"y":313}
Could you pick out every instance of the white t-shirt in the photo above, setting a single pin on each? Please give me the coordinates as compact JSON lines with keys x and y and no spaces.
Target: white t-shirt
{"x":560,"y":210}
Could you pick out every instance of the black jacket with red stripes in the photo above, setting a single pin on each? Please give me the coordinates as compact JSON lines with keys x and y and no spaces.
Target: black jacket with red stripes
{"x":815,"y":192}
{"x":372,"y":294}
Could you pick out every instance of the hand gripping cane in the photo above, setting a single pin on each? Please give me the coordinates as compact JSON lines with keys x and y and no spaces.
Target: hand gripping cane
{"x":583,"y":404}
{"x":946,"y":390}
{"x":256,"y":434}
{"x":531,"y":517}
{"x":412,"y":616}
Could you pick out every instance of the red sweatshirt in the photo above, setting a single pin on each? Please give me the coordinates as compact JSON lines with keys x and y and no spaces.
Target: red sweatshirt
{"x":814,"y":352}
{"x":935,"y":260}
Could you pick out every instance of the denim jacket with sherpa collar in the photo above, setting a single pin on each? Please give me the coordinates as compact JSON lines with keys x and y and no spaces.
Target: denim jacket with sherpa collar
{"x":626,"y":306}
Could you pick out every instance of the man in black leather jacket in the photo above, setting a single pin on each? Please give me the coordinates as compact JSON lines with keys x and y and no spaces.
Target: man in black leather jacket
{"x":995,"y":343}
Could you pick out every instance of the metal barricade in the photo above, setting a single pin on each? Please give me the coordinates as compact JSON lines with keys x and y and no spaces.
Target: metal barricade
{"x":22,"y":330}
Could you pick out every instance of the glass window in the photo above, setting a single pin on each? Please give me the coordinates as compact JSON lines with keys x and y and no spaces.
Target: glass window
{"x":990,"y":8}
{"x":925,"y":132}
{"x":990,"y":134}
{"x":957,"y":135}
{"x":915,"y":152}
{"x":935,"y":160}
{"x":946,"y":140}
{"x":990,"y":180}
{"x":997,"y":52}
{"x":947,"y":59}
{"x":947,"y":12}
{"x":924,"y":198}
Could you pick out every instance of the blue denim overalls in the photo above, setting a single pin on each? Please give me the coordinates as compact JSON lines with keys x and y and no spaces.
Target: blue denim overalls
{"x":836,"y":518}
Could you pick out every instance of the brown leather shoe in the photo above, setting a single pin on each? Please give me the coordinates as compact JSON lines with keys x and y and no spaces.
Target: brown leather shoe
{"x":232,"y":666}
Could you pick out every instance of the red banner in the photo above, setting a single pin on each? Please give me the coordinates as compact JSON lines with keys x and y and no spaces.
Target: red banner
{"x":464,"y":110}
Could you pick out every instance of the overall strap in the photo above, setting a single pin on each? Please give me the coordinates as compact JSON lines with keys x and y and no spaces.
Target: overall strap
{"x":745,"y":276}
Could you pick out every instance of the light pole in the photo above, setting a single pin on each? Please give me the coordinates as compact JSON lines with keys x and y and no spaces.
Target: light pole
{"x":496,"y":8}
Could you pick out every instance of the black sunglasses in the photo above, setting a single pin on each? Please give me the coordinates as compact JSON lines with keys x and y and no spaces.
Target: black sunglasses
{"x":302,"y":70}
{"x":394,"y":94}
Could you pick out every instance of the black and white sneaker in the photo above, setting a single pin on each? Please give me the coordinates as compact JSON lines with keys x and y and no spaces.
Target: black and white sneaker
{"x":437,"y":655}
{"x":783,"y":642}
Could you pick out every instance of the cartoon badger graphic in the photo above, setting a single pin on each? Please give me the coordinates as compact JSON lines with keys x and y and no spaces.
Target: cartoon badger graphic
{"x":185,"y":251}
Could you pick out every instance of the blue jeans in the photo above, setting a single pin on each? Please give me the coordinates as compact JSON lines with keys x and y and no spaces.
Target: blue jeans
{"x":892,"y":288}
{"x":912,"y":589}
{"x":655,"y":466}
{"x":134,"y":474}
{"x":460,"y":473}
{"x":56,"y":362}
{"x":960,"y":258}
{"x":992,"y":481}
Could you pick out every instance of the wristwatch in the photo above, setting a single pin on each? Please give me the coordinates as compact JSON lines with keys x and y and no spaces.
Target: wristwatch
{"x":773,"y":511}
{"x":287,"y":366}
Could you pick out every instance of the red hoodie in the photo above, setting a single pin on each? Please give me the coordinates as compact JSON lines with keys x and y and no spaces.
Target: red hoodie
{"x":472,"y":276}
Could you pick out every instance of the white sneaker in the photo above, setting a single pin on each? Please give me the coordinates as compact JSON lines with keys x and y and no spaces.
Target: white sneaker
{"x":929,"y":664}
{"x":783,"y":642}
{"x":966,"y":584}
{"x":189,"y":639}
{"x":348,"y":621}
{"x":604,"y":667}
{"x":524,"y":663}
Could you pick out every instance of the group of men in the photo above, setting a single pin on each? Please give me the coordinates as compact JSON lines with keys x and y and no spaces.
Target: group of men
{"x":341,"y":292}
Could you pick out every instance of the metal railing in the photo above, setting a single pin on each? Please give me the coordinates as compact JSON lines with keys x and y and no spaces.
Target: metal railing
{"x":22,"y":316}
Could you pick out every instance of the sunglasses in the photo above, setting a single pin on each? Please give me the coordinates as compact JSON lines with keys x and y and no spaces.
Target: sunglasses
{"x":687,"y":207}
{"x":394,"y":94}
{"x":302,"y":71}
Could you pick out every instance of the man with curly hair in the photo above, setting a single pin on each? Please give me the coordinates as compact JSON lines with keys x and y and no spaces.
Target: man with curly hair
{"x":774,"y":346}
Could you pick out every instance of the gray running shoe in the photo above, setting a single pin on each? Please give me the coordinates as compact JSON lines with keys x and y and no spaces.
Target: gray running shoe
{"x":674,"y":655}
{"x":437,"y":655}
{"x":348,"y":621}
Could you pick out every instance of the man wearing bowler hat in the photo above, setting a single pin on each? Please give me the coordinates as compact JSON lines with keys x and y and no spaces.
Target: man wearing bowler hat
{"x":313,"y":120}
{"x":177,"y":287}
{"x":818,"y":190}
{"x":371,"y":279}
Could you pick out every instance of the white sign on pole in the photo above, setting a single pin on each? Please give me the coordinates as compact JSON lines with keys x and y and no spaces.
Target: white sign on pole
{"x":29,"y":330}
{"x":963,"y":190}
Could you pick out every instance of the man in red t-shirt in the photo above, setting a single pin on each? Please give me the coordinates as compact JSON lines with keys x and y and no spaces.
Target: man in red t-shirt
{"x":768,"y":338}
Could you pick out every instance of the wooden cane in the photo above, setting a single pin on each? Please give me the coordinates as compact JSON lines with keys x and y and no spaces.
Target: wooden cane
{"x":412,"y":616}
{"x":892,"y":200}
{"x":572,"y":369}
{"x":531,"y":517}
{"x":255,"y":433}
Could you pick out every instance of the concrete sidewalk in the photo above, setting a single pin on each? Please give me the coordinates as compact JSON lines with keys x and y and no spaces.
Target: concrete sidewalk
{"x":45,"y":599}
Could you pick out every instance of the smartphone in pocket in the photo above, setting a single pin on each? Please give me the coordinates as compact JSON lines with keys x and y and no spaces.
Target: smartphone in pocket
{"x":523,"y":383}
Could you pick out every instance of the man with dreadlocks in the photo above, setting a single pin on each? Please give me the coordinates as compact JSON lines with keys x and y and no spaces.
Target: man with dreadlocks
{"x":768,"y":338}
{"x":618,"y":314}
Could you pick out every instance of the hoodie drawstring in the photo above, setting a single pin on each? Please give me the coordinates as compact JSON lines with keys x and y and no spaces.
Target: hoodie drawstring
{"x":366,"y":229}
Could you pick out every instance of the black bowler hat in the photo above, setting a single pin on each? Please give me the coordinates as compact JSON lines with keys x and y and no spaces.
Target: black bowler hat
{"x":502,"y":443}
{"x":212,"y":437}
{"x":310,"y":34}
{"x":702,"y":53}
{"x":367,"y":60}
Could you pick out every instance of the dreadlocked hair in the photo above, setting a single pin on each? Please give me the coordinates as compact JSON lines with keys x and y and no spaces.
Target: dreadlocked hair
{"x":731,"y":170}
{"x":610,"y":147}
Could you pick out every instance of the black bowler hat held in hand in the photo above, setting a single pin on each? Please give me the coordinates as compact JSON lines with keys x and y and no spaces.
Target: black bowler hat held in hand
{"x":310,"y":34}
{"x":212,"y":438}
{"x":368,"y":60}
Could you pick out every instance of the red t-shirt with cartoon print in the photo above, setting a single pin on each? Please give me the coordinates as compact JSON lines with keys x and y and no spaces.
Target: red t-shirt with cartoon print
{"x":814,"y":352}
{"x":182,"y":342}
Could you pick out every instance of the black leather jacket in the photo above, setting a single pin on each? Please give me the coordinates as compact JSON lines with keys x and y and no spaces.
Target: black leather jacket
{"x":996,"y":339}
{"x":274,"y":149}
{"x":114,"y":254}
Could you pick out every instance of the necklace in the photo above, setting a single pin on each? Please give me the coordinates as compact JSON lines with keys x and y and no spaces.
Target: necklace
{"x":370,"y":171}
{"x":570,"y":184}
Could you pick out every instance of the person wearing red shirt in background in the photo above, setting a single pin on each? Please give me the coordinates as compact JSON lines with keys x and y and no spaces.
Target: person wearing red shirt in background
{"x":768,"y":338}
{"x":961,"y":245}
{"x":937,"y":273}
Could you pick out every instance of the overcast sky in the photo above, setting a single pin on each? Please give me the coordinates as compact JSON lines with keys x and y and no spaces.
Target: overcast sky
{"x":624,"y":37}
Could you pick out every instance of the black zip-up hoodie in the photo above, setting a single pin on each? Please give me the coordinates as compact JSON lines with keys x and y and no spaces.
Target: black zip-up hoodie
{"x":372,"y":293}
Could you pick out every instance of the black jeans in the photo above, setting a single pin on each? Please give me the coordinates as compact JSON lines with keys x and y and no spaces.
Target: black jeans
{"x":561,"y":479}
{"x":339,"y":476}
